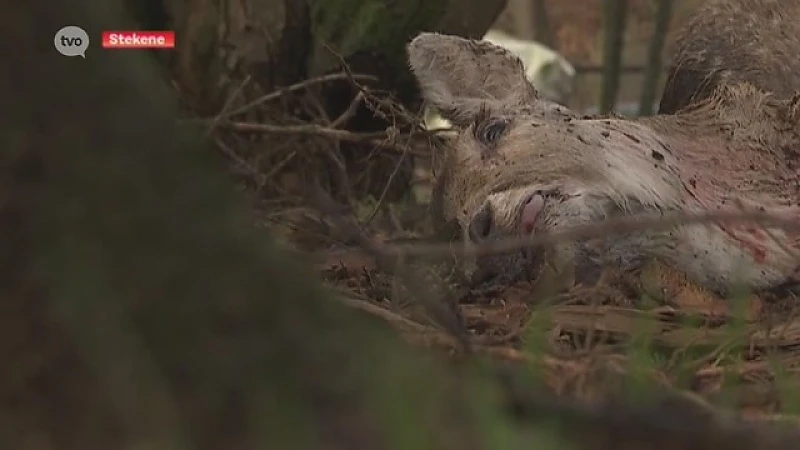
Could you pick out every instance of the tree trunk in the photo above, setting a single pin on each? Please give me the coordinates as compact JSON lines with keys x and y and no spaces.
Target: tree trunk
{"x":224,"y":45}
{"x":279,"y":42}
{"x":652,"y":72}
{"x":544,"y":32}
{"x":615,"y":16}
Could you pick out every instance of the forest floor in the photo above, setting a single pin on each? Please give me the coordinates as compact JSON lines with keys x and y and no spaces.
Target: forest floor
{"x":742,"y":354}
{"x":589,"y":342}
{"x":739,"y":355}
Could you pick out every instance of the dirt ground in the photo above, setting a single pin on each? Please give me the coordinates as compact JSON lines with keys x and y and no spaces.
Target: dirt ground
{"x":588,"y":342}
{"x":741,"y":355}
{"x":591,"y":341}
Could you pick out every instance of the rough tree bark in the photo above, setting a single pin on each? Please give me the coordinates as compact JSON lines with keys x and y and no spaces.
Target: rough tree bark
{"x":281,"y":41}
{"x":615,"y":13}
{"x":275,"y":43}
{"x":141,"y":308}
{"x":544,"y":32}
{"x":655,"y":55}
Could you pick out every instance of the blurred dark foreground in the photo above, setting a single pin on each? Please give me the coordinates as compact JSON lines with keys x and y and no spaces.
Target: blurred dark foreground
{"x":143,"y":310}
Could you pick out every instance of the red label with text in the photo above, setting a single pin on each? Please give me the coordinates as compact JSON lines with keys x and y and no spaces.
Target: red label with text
{"x":138,"y":39}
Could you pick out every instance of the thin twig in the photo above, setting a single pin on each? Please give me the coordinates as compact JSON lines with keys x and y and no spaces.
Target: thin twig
{"x":596,"y":230}
{"x":349,"y":112}
{"x":244,"y":166}
{"x":299,"y":86}
{"x":382,"y":198}
{"x":227,"y":105}
{"x":391,"y":317}
{"x":308,"y":129}
{"x":380,"y":139}
{"x":436,"y":300}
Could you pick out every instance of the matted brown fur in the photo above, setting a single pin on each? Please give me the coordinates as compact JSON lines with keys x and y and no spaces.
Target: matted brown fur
{"x":735,"y":149}
{"x":732,"y":41}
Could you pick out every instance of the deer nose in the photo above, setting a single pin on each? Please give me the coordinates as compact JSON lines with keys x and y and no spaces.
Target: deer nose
{"x":481,"y":224}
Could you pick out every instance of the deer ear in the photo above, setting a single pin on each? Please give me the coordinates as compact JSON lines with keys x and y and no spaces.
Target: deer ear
{"x":462,"y":77}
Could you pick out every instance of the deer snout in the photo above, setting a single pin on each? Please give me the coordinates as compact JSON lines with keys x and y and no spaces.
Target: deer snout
{"x":480,"y":225}
{"x":531,"y":208}
{"x":518,"y":214}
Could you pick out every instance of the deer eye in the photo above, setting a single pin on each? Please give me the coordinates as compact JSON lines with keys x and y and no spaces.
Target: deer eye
{"x":491,"y":130}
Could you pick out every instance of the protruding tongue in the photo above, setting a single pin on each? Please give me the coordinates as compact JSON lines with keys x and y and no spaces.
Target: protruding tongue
{"x":530,"y":212}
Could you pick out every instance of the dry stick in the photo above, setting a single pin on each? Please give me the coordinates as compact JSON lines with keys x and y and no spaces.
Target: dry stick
{"x":244,"y":165}
{"x":280,"y":165}
{"x":227,"y":104}
{"x":349,"y":112}
{"x":379,"y":139}
{"x":443,"y":339}
{"x":301,"y":129}
{"x":352,"y":79}
{"x":615,"y":14}
{"x":374,"y":104}
{"x":382,"y":198}
{"x":403,"y":324}
{"x":393,"y":318}
{"x":590,"y":334}
{"x":348,"y":74}
{"x":440,"y":338}
{"x":624,"y":321}
{"x":783,"y":328}
{"x":671,"y":333}
{"x":359,"y":98}
{"x":394,"y":108}
{"x":747,"y":367}
{"x":309,"y":129}
{"x":413,"y":278}
{"x":335,"y":152}
{"x":433,"y":336}
{"x":299,"y":86}
{"x":595,"y":230}
{"x":654,"y":57}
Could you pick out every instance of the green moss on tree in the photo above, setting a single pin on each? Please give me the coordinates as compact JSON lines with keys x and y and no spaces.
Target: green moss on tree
{"x":352,"y":26}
